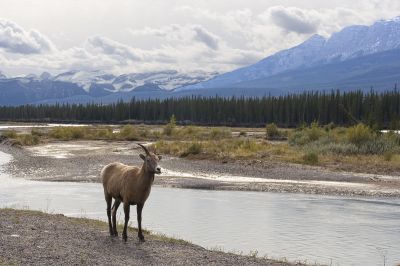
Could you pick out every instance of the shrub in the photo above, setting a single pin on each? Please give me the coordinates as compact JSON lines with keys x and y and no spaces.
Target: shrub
{"x":77,"y":132}
{"x":193,"y":149}
{"x":27,"y":139}
{"x":170,"y":127}
{"x":299,"y":138}
{"x":334,"y":148}
{"x":67,"y":133}
{"x":12,"y":134}
{"x":217,"y":133}
{"x":377,"y":145}
{"x":306,"y":135}
{"x":128,"y":132}
{"x":104,"y":133}
{"x":395,"y":137}
{"x":359,"y":134}
{"x":272,"y":131}
{"x":314,"y":132}
{"x":36,"y":132}
{"x":310,"y":158}
{"x":388,"y":155}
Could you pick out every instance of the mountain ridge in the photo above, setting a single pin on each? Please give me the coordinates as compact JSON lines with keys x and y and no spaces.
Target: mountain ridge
{"x":351,"y":42}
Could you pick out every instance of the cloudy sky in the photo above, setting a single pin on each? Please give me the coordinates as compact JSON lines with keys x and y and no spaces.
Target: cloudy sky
{"x":135,"y":35}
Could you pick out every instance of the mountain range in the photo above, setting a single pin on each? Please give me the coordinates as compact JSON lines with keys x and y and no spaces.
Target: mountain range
{"x":92,"y":86}
{"x":351,"y":42}
{"x":357,"y":57}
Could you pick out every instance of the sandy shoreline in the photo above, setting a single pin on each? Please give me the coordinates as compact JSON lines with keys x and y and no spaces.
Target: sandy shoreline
{"x":81,"y":161}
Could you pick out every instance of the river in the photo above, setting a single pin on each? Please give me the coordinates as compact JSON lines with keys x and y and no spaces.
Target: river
{"x":325,"y":229}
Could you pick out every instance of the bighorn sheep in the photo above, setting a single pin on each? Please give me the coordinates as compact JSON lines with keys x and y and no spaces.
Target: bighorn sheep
{"x":130,"y":185}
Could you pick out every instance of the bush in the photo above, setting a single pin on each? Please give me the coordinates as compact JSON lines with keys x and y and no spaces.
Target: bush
{"x":128,"y":132}
{"x":314,"y":132}
{"x":217,"y":133}
{"x":36,"y":132}
{"x":388,"y":156}
{"x":334,"y":148}
{"x":359,"y":134}
{"x":377,"y":145}
{"x":68,"y":133}
{"x":272,"y":131}
{"x":104,"y":133}
{"x":170,"y":127}
{"x":310,"y":158}
{"x":299,"y":138}
{"x":193,"y":149}
{"x":12,"y":134}
{"x":27,"y":139}
{"x":304,"y":136}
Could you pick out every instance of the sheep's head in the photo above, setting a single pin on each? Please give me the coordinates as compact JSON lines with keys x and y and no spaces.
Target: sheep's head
{"x":150,"y":161}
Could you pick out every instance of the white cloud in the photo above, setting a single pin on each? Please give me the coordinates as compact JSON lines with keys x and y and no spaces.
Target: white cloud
{"x":204,"y":36}
{"x":103,"y":45}
{"x":176,"y":33}
{"x":15,"y":39}
{"x":218,"y":37}
{"x":294,"y":19}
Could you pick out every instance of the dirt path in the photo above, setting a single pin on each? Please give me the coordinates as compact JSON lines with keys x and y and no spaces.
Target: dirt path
{"x":81,"y":161}
{"x":35,"y":238}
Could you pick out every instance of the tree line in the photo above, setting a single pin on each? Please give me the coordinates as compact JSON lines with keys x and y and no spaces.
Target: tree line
{"x":341,"y":108}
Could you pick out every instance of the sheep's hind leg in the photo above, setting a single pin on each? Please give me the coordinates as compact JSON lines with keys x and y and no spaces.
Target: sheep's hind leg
{"x":117,"y":202}
{"x":109,"y":200}
{"x":139,"y":209}
{"x":126,"y":210}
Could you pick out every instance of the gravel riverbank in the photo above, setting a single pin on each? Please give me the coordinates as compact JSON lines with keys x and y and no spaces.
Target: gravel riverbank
{"x":36,"y":238}
{"x":81,"y":161}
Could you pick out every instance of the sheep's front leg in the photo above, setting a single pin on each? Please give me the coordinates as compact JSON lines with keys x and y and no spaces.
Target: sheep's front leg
{"x":139,"y":209}
{"x":126,"y":210}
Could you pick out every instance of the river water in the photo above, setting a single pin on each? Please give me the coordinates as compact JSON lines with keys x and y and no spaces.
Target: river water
{"x":325,"y":229}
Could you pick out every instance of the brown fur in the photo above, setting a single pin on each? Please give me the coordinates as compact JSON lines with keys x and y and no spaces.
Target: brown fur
{"x":130,"y":185}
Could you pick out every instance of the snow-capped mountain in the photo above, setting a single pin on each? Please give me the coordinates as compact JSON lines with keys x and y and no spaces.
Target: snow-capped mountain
{"x":166,"y":80}
{"x":351,"y":42}
{"x":93,"y":86}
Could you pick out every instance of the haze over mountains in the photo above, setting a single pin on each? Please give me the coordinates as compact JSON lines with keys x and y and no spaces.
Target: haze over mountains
{"x":358,"y":57}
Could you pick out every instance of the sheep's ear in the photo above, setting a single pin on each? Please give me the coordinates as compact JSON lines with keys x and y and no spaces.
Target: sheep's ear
{"x":159,"y":157}
{"x":142,"y":156}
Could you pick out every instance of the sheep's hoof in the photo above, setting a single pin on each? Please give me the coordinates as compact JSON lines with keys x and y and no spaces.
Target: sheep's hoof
{"x":141,"y":238}
{"x":125,"y":237}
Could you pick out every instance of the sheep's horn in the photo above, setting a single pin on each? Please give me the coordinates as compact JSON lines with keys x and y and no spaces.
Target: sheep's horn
{"x":144,"y":148}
